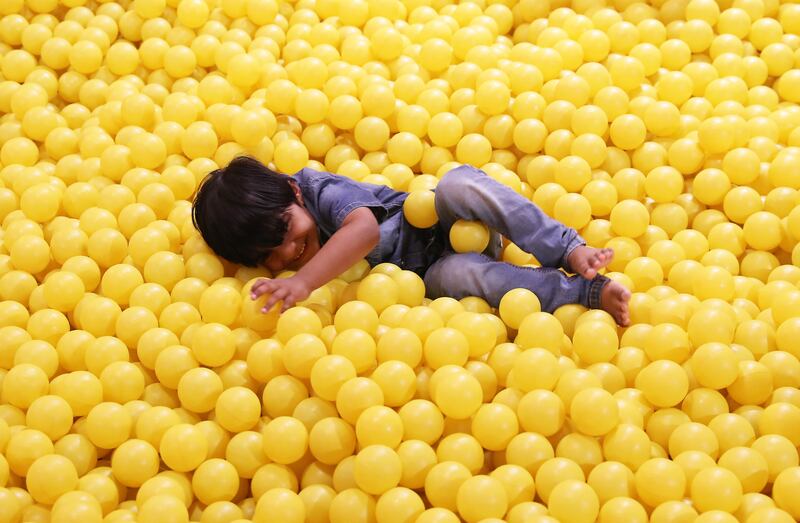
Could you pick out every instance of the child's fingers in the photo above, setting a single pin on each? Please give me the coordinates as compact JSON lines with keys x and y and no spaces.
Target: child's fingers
{"x":288,"y":303}
{"x":268,"y":307}
{"x":260,"y":287}
{"x":276,"y":296}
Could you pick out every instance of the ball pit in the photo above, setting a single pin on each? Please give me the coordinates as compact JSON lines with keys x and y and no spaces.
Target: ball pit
{"x":139,"y":381}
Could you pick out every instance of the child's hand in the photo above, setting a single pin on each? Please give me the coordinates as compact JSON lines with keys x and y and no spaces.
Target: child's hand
{"x":290,"y":290}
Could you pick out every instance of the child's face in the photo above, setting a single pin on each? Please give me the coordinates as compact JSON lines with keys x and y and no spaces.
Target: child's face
{"x":299,"y":245}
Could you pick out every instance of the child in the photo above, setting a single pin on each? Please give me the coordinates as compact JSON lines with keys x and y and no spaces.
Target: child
{"x":320,"y":224}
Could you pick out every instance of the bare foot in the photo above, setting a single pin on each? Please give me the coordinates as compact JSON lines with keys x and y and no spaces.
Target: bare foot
{"x":614,"y":300}
{"x":586,"y":261}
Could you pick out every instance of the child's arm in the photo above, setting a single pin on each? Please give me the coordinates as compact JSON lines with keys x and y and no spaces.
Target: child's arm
{"x":355,"y":239}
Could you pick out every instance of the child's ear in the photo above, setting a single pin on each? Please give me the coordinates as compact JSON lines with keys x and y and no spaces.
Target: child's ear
{"x":297,"y":193}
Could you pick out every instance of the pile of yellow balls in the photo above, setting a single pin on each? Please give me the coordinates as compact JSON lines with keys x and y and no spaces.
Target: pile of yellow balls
{"x":140,"y":383}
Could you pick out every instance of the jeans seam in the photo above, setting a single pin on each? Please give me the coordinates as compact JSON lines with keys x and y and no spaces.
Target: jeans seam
{"x":489,"y":258}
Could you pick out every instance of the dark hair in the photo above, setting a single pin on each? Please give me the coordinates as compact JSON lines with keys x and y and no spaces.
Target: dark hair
{"x":240,"y":210}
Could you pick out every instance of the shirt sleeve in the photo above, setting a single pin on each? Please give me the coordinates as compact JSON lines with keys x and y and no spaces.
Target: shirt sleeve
{"x":337,"y":196}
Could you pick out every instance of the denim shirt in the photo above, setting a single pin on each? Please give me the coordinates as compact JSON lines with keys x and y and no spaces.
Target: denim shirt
{"x":331,"y":197}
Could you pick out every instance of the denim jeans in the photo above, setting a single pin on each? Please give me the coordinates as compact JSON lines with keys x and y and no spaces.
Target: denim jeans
{"x":468,"y":193}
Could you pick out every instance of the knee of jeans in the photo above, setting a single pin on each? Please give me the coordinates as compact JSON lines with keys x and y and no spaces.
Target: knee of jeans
{"x":455,"y":270}
{"x":455,"y":183}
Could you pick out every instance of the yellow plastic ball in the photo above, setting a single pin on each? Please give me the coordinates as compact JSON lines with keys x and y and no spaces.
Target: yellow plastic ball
{"x":422,"y":420}
{"x":329,"y":373}
{"x":574,"y":210}
{"x":377,"y":469}
{"x":285,"y":440}
{"x":379,"y":290}
{"x":629,"y":218}
{"x":23,"y":384}
{"x":49,"y":477}
{"x":594,"y":412}
{"x":573,"y":500}
{"x":237,"y":409}
{"x":716,"y":488}
{"x":473,"y":149}
{"x":183,"y":447}
{"x":481,"y":497}
{"x":331,"y":440}
{"x":659,"y":480}
{"x":663,"y":382}
{"x":762,"y":231}
{"x":469,"y":236}
{"x":753,"y":382}
{"x":516,"y":304}
{"x":595,"y":342}
{"x":492,"y":97}
{"x":494,"y":426}
{"x":458,"y":395}
{"x":714,"y":365}
{"x":280,"y":504}
{"x":446,"y":346}
{"x":713,"y":282}
{"x":108,"y":425}
{"x":379,"y":426}
{"x":50,"y":415}
{"x":627,"y":132}
{"x":134,"y":462}
{"x":30,"y":253}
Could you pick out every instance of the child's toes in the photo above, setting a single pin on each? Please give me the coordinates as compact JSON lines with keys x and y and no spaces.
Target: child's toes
{"x":598,"y":261}
{"x":604,"y":258}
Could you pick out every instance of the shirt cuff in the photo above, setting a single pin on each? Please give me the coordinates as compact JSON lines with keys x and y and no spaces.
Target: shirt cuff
{"x":574,"y":244}
{"x":596,"y":287}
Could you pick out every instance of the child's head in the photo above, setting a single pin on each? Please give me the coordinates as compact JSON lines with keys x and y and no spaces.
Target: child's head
{"x":241,"y":210}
